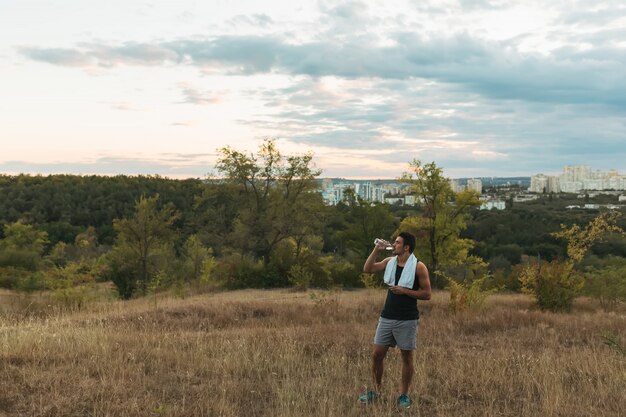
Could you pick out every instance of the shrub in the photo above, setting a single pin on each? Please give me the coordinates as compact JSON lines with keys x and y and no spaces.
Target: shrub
{"x":19,"y":258}
{"x":71,"y":284}
{"x":372,"y":281}
{"x":341,"y":272}
{"x":236,"y":270}
{"x":300,"y":277}
{"x":11,"y":277}
{"x":607,"y":285}
{"x":553,"y":284}
{"x":469,"y":295}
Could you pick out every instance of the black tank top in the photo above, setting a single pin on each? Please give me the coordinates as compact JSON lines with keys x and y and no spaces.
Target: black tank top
{"x":400,"y":306}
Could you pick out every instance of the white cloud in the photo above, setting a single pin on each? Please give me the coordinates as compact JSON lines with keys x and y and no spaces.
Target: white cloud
{"x":494,"y":86}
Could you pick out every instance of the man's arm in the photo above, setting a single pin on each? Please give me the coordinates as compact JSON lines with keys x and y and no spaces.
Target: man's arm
{"x":424,"y":292}
{"x":371,"y":265}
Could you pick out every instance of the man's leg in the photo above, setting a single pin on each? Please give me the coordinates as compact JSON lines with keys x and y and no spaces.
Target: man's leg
{"x":407,"y":370}
{"x":378,"y":358}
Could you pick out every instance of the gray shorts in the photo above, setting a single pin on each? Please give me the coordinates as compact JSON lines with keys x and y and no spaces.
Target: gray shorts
{"x":401,"y":333}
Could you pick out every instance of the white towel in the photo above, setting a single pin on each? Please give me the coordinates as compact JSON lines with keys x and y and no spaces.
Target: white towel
{"x":407,"y":278}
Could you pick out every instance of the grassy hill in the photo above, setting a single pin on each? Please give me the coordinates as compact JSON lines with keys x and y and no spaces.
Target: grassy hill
{"x":281,"y":353}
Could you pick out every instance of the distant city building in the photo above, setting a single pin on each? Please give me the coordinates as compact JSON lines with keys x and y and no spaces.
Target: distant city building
{"x":410,"y":200}
{"x":493,"y":204}
{"x":577,"y":178}
{"x":544,"y":184}
{"x":394,"y":200}
{"x":521,"y":198}
{"x":333,"y":190}
{"x":334,"y":193}
{"x":475,"y":184}
{"x":456,"y":186}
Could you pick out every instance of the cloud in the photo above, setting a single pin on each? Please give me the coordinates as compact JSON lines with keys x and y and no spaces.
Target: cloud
{"x":495,"y":69}
{"x":195,"y":96}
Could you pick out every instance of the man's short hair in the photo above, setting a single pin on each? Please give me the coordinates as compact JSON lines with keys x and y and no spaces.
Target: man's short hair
{"x":408,"y":239}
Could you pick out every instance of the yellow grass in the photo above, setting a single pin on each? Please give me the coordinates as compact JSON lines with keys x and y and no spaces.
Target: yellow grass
{"x":280,"y":353}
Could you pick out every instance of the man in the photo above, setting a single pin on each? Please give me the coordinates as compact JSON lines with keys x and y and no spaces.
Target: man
{"x":408,"y":282}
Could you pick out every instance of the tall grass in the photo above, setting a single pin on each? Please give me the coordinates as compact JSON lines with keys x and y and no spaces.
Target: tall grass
{"x":280,"y":353}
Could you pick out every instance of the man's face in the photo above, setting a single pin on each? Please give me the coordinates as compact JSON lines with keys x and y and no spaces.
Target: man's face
{"x":398,"y":246}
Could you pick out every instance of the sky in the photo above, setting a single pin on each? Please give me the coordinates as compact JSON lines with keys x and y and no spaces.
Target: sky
{"x":482,"y":88}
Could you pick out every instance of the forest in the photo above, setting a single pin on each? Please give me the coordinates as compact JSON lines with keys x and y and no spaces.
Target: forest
{"x":262,"y":224}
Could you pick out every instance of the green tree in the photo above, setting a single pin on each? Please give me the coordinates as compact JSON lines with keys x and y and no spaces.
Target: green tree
{"x":22,"y":246}
{"x":275,"y":199}
{"x":445,"y":215}
{"x":143,"y":245}
{"x":196,"y":259}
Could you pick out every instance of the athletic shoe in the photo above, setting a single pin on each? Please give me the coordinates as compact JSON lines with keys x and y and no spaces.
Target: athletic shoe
{"x":368,"y":397}
{"x":404,"y":401}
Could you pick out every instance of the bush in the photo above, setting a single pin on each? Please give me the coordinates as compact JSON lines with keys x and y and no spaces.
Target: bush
{"x":341,"y":272}
{"x":71,"y":284}
{"x":553,"y":284}
{"x":300,"y":277}
{"x":607,"y":284}
{"x":19,"y":258}
{"x":469,"y":295}
{"x":10,"y":276}
{"x":236,"y":271}
{"x":372,"y":280}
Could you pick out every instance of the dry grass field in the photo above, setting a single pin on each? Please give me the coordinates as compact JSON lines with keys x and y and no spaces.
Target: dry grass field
{"x":280,"y":353}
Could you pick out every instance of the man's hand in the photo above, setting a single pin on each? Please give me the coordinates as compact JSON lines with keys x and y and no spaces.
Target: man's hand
{"x":396,"y":289}
{"x":381,"y":245}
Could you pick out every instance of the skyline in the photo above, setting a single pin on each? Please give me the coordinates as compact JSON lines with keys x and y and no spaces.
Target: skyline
{"x":483,"y":88}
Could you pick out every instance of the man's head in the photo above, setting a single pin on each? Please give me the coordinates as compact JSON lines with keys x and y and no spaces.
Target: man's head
{"x":405,"y":242}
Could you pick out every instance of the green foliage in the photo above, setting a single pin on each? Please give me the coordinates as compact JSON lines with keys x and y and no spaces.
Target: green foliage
{"x":607,"y":282}
{"x":23,"y":259}
{"x":372,"y":281}
{"x":12,"y":277}
{"x":22,"y":246}
{"x":63,"y":205}
{"x":580,"y":240}
{"x":464,"y":296}
{"x":237,"y":270}
{"x":445,"y":216}
{"x":72,"y":284}
{"x":155,"y":284}
{"x":300,"y":277}
{"x":23,"y":237}
{"x":58,"y":254}
{"x":31,"y":282}
{"x":530,"y":225}
{"x":470,"y":291}
{"x":274,"y":201}
{"x":197,"y":260}
{"x":340,"y":272}
{"x":144,"y":245}
{"x":553,"y":284}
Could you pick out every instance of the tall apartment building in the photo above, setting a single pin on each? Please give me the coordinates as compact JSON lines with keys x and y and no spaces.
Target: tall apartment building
{"x":456,"y":186}
{"x":544,"y":184}
{"x":475,"y":184}
{"x":577,"y":178}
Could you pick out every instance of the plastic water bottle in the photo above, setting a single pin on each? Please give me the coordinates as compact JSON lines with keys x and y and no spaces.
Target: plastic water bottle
{"x":387,"y":244}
